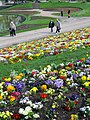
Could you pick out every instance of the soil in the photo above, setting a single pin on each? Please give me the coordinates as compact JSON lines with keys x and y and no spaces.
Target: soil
{"x":64,"y":9}
{"x":24,"y":27}
{"x":22,"y":12}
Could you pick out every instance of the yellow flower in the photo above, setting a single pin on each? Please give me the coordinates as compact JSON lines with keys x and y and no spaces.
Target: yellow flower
{"x":10,"y":88}
{"x":74,"y":117}
{"x":8,"y":113}
{"x":21,"y":74}
{"x":50,"y":91}
{"x":30,"y":58}
{"x":53,"y":78}
{"x":18,"y":77}
{"x":84,"y":78}
{"x":7,"y":79}
{"x":68,"y":82}
{"x":53,"y":106}
{"x":44,"y":87}
{"x":34,"y":89}
{"x":1,"y":97}
{"x":83,"y":59}
{"x":86,"y":84}
{"x":37,"y":55}
{"x":55,"y":71}
{"x":12,"y":98}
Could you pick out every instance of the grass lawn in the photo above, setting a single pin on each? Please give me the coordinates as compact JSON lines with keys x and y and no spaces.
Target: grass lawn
{"x":5,"y":69}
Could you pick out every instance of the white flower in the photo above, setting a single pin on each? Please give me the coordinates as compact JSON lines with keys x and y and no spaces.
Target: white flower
{"x":82,"y":109}
{"x":21,"y":110}
{"x":26,"y":117}
{"x":73,"y":84}
{"x":29,"y":103}
{"x":28,"y":108}
{"x":36,"y":116}
{"x":81,"y":74}
{"x":35,"y":106}
{"x":25,"y":112}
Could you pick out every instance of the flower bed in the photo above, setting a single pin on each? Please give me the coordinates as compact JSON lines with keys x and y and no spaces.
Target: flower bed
{"x":50,"y":45}
{"x":53,"y":93}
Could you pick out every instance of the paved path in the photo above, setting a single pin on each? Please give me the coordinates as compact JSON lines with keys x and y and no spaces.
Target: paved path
{"x":68,"y":24}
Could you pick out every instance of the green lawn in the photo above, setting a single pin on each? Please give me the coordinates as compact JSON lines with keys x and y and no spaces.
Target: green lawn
{"x":68,"y":56}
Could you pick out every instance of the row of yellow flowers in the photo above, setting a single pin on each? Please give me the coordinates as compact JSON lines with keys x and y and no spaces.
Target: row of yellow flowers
{"x":50,"y":45}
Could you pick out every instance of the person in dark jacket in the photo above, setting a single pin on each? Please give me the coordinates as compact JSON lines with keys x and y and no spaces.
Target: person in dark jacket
{"x":61,"y":13}
{"x":51,"y":25}
{"x":68,"y":13}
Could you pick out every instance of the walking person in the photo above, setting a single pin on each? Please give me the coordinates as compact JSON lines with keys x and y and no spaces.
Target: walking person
{"x":51,"y":25}
{"x":12,"y":29}
{"x":68,"y":13}
{"x":58,"y":26}
{"x":61,"y":13}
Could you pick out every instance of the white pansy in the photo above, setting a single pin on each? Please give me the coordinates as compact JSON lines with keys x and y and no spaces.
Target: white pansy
{"x":29,"y":103}
{"x":73,"y":84}
{"x":21,"y":110}
{"x":81,"y":74}
{"x":82,"y":109}
{"x":28,"y":108}
{"x":35,"y":106}
{"x":26,"y":117}
{"x":36,"y":116}
{"x":25,"y":112}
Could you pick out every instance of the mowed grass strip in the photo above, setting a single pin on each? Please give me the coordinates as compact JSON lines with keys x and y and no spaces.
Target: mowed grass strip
{"x":68,"y":56}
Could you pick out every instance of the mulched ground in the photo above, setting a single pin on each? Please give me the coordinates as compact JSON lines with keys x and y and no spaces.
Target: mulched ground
{"x":64,"y":9}
{"x":24,"y":27}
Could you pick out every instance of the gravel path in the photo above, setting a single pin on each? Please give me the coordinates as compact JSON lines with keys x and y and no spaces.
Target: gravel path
{"x":68,"y":24}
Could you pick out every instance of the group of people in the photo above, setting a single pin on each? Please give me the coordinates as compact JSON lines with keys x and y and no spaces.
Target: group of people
{"x":12,"y":29}
{"x":67,"y":13}
{"x":52,"y":24}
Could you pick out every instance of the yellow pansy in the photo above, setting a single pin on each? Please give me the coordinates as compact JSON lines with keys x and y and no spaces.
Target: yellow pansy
{"x":21,"y":74}
{"x":7,"y":79}
{"x":53,"y":78}
{"x":18,"y":77}
{"x":84,"y":78}
{"x":34,"y":89}
{"x":12,"y":98}
{"x":86,"y":84}
{"x":44,"y":87}
{"x":55,"y":71}
{"x":30,"y":58}
{"x":1,"y":97}
{"x":10,"y":88}
{"x":50,"y":91}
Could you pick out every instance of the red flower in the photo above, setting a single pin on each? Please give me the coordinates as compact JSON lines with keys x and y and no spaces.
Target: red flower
{"x":63,"y":77}
{"x":26,"y":64}
{"x":34,"y":72}
{"x":70,"y":65}
{"x":15,"y":116}
{"x":82,"y":89}
{"x":67,"y":108}
{"x":43,"y":95}
{"x":55,"y":53}
{"x":75,"y":102}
